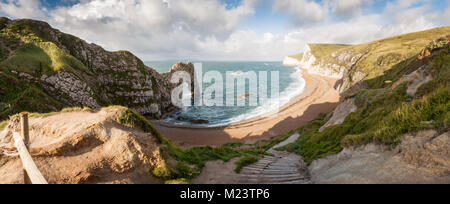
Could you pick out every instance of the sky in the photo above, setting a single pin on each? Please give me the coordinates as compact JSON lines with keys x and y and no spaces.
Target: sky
{"x":229,"y":30}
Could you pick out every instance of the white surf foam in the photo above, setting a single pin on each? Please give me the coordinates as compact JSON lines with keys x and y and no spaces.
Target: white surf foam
{"x":296,"y":88}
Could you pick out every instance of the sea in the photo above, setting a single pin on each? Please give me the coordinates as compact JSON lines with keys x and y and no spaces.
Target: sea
{"x":290,"y":83}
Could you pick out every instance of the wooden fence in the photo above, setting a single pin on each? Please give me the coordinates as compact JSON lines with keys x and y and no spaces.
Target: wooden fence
{"x":32,"y":175}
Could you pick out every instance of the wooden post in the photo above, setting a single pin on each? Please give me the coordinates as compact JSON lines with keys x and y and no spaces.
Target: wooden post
{"x":26,"y":140}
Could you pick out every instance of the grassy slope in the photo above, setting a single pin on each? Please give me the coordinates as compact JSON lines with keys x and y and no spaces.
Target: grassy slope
{"x":323,"y":50}
{"x":382,"y":54}
{"x":384,"y":113}
{"x":25,"y":48}
{"x":36,"y":55}
{"x":17,"y":96}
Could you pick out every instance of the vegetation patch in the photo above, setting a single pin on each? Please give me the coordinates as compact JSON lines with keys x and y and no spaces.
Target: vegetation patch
{"x":246,"y":161}
{"x":3,"y":124}
{"x":32,"y":99}
{"x":384,"y":113}
{"x":192,"y":160}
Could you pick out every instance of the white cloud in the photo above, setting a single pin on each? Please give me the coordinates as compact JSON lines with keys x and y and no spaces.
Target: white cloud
{"x":301,"y":11}
{"x":22,"y":8}
{"x":348,"y":7}
{"x":207,"y":30}
{"x":155,"y":28}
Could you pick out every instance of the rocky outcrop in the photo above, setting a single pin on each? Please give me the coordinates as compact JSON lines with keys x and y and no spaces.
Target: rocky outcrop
{"x":416,"y":79}
{"x":289,"y":61}
{"x":91,"y":76}
{"x":188,"y":68}
{"x":83,"y":147}
{"x":78,"y":92}
{"x":421,"y":158}
{"x":340,"y":113}
{"x":313,"y":66}
{"x":338,"y":69}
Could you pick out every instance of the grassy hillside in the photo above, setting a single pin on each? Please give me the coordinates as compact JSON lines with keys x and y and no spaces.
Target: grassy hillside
{"x":32,"y":52}
{"x":26,"y":49}
{"x":386,"y":112}
{"x":298,"y":57}
{"x":321,"y":51}
{"x":17,"y":96}
{"x":381,"y":55}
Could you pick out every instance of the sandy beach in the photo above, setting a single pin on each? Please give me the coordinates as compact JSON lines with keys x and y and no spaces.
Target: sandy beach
{"x":319,"y":97}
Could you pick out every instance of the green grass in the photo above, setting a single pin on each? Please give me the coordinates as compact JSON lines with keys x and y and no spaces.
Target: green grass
{"x":37,"y":55}
{"x":31,"y":48}
{"x":382,"y":55}
{"x":245,"y":161}
{"x":41,"y":58}
{"x":178,"y":181}
{"x":77,"y":109}
{"x":3,"y":124}
{"x":31,"y":99}
{"x":384,"y":114}
{"x":323,"y":50}
{"x":192,"y":160}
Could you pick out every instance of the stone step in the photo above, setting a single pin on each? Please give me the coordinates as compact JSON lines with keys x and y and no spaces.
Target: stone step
{"x":269,"y":172}
{"x":278,"y":172}
{"x":281,"y":166}
{"x":278,"y":168}
{"x":282,"y":180}
{"x":265,"y":162}
{"x":281,"y":177}
{"x":258,"y":166}
{"x":295,"y":182}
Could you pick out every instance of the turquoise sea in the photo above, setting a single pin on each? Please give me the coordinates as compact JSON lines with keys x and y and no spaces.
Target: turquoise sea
{"x":291,"y":84}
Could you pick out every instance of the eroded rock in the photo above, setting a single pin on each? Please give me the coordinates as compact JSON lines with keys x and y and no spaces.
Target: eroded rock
{"x":83,"y":147}
{"x":340,"y":113}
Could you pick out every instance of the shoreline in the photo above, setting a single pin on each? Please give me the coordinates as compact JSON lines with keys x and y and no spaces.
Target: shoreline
{"x":318,"y":97}
{"x":256,"y":117}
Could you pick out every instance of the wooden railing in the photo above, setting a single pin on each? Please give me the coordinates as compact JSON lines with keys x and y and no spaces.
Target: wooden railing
{"x":32,"y":175}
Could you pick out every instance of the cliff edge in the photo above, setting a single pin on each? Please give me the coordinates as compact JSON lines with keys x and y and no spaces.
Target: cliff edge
{"x":44,"y":70}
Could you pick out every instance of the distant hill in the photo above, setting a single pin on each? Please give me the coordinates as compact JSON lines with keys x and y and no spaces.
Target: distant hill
{"x":369,"y":60}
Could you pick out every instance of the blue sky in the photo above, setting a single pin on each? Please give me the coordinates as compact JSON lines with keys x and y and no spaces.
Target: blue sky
{"x":255,"y":30}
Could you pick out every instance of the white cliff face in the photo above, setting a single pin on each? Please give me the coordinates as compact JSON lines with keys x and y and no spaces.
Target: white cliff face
{"x":309,"y":63}
{"x":289,"y":61}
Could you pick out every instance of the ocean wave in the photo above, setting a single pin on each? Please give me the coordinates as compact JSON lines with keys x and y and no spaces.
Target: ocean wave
{"x":295,"y":89}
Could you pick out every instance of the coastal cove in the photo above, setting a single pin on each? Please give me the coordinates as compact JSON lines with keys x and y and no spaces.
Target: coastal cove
{"x":287,"y":81}
{"x":319,"y":97}
{"x":72,"y":112}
